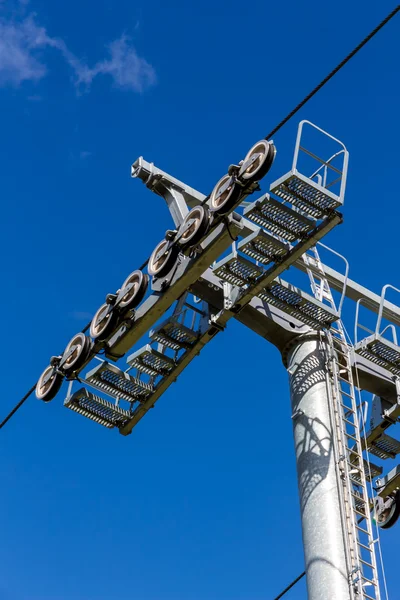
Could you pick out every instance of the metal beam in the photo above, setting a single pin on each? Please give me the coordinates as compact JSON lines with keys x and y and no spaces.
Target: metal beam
{"x":155,"y":179}
{"x":159,"y":302}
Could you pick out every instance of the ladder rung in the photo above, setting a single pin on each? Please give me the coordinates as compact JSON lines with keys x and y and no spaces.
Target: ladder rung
{"x":362,"y":530}
{"x":351,"y":436}
{"x":360,"y":498}
{"x":364,"y":546}
{"x":371,"y":581}
{"x":346,"y":394}
{"x":364,"y":562}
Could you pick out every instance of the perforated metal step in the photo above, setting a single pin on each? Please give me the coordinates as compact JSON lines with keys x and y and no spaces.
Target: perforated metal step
{"x":278,"y":219}
{"x":263,"y":247}
{"x":298,"y":304}
{"x":384,"y":446}
{"x":174,"y":335}
{"x":306,"y":194}
{"x":237,"y":270}
{"x":97,"y":409}
{"x":116,"y":383}
{"x":149,"y":361}
{"x":381,"y":352}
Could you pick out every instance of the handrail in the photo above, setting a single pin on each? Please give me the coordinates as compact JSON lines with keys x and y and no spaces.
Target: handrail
{"x":356,"y":325}
{"x":383,"y":293}
{"x":346,"y":273}
{"x":344,"y":150}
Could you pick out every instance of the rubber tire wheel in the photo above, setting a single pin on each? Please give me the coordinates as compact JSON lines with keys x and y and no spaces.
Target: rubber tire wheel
{"x":230,"y":200}
{"x":197,"y":230}
{"x":107,"y":328}
{"x":84,"y":346}
{"x":170,"y":259}
{"x":264,"y":162}
{"x":132,"y":301}
{"x":395,"y":513}
{"x":53,"y":386}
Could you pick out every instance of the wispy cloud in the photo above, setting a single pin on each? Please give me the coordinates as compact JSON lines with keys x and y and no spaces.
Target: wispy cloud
{"x":125,"y":67}
{"x":22,"y":58}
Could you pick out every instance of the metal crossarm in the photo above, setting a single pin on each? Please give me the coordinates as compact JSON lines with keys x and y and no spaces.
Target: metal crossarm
{"x":182,"y":362}
{"x":190,"y":269}
{"x":389,"y":483}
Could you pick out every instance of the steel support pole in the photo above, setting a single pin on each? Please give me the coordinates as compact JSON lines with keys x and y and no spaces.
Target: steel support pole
{"x":323,"y":535}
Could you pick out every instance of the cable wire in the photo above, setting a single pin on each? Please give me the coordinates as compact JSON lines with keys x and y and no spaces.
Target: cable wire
{"x":270,"y":134}
{"x":28,"y":393}
{"x":289,"y":587}
{"x":332,"y":73}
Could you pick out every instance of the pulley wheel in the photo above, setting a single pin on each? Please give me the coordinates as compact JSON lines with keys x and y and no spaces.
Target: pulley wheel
{"x":103,"y":323}
{"x":194,"y":226}
{"x":78,"y":349}
{"x":262,"y":156}
{"x":162,"y":260}
{"x":389,"y":517}
{"x":47,"y":390}
{"x":133,"y":297}
{"x":221,"y":202}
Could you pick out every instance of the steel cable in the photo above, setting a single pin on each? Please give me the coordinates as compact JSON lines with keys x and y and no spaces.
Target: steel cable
{"x":289,"y":587}
{"x":272,"y":132}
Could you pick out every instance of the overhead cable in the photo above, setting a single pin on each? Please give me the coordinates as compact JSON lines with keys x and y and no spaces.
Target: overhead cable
{"x":267,"y":137}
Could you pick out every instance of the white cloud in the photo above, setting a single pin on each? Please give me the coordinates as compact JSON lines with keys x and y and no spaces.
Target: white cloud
{"x":18,"y":46}
{"x":126,"y":68}
{"x":22,"y":46}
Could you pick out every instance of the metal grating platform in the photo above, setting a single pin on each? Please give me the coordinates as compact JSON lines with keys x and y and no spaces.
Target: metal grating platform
{"x":97,"y":409}
{"x":384,"y":446}
{"x":306,"y":194}
{"x":298,"y":304}
{"x":279,"y":219}
{"x":149,"y":361}
{"x":380,"y":352}
{"x":237,"y":270}
{"x":263,"y":247}
{"x":116,"y":383}
{"x":174,"y":335}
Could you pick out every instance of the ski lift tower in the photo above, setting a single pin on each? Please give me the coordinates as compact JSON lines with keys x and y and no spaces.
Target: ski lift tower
{"x":191,"y":298}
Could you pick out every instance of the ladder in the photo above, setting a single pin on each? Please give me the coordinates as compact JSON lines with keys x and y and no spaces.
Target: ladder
{"x":350,"y":465}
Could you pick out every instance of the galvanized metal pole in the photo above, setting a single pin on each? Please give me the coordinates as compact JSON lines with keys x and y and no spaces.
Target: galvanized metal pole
{"x":323,"y":536}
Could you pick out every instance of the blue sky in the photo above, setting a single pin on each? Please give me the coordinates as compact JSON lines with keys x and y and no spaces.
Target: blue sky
{"x":200,"y":502}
